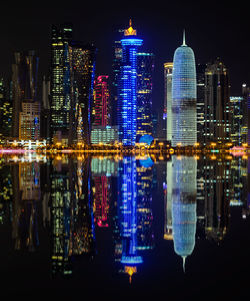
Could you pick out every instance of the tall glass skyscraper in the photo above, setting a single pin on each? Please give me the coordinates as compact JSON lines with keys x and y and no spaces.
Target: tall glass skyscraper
{"x":127,"y":88}
{"x":184,"y":126}
{"x":60,"y":81}
{"x":168,"y":73}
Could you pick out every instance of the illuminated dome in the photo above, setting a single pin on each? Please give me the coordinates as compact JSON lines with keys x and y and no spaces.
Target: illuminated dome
{"x":147,"y":162}
{"x":146,"y":139}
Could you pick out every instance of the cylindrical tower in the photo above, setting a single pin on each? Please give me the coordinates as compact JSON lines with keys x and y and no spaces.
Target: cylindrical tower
{"x":184,"y":127}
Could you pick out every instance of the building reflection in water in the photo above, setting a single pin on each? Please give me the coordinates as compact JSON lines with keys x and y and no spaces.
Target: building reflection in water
{"x":70,"y":195}
{"x":26,"y":195}
{"x":183,"y":187}
{"x":72,"y":224}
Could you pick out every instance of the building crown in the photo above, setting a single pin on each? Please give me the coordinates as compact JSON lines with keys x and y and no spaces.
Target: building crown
{"x":130,"y":31}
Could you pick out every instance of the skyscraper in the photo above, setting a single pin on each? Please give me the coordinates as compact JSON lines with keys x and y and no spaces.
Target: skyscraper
{"x":5,"y":110}
{"x":145,"y":67}
{"x":82,"y":71}
{"x":101,"y":103}
{"x":184,"y":128}
{"x":127,"y":87}
{"x":200,"y":105}
{"x":26,"y":108}
{"x":167,"y":115}
{"x":60,"y":81}
{"x":217,"y":125}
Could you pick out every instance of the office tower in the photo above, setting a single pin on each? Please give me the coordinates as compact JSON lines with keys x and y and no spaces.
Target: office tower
{"x":127,"y":200}
{"x":45,"y":110}
{"x":145,"y":68}
{"x":184,"y":190}
{"x":101,"y":103}
{"x":127,"y":87}
{"x":236,"y":108}
{"x":60,"y":82}
{"x":167,"y":114}
{"x":217,"y":125}
{"x":116,"y":64}
{"x":200,"y":105}
{"x":184,"y":126}
{"x":24,"y":93}
{"x":246,"y":113}
{"x":5,"y":110}
{"x":82,"y":59}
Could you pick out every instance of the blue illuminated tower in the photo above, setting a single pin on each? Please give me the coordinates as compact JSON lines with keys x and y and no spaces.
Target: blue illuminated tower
{"x":184,"y":121}
{"x":127,"y":88}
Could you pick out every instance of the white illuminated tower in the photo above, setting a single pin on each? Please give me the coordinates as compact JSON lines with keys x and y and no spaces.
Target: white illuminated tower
{"x":184,"y":126}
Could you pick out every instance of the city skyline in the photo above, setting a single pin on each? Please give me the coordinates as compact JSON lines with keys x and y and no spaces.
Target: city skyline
{"x":213,"y":31}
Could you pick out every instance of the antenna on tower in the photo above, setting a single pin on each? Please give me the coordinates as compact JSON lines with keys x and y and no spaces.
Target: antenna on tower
{"x":184,"y":38}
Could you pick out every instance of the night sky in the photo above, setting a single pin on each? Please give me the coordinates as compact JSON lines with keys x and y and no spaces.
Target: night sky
{"x":213,"y":29}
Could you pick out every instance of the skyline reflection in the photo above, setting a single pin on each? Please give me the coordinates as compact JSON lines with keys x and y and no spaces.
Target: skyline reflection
{"x":75,"y":199}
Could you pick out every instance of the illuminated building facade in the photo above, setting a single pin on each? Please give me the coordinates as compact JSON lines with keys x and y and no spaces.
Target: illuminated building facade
{"x":29,"y":121}
{"x":217,"y":118}
{"x":5,"y":110}
{"x":184,"y":121}
{"x":116,"y":65}
{"x":200,"y":105}
{"x":145,"y":67}
{"x":104,"y":135}
{"x":184,"y":170}
{"x":60,"y":81}
{"x":24,"y":93}
{"x":82,"y":71}
{"x":167,"y":114}
{"x":127,"y":88}
{"x":101,"y":103}
{"x":236,"y":108}
{"x":246,"y":113}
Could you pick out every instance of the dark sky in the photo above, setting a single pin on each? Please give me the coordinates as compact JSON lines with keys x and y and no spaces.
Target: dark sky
{"x":213,"y":29}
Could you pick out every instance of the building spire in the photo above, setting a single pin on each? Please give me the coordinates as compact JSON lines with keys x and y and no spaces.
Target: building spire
{"x":184,"y":38}
{"x":130,"y":31}
{"x":184,"y":257}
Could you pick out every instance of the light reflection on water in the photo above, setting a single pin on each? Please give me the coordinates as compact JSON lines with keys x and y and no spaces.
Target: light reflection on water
{"x":73,"y":201}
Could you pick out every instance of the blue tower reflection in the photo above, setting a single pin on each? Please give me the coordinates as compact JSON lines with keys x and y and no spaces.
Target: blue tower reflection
{"x":127,"y":198}
{"x":184,"y":187}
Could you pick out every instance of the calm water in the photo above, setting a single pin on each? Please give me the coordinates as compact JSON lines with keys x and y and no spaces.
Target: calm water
{"x":125,"y":226}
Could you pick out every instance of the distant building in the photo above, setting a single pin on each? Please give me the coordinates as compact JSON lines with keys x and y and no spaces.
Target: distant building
{"x":145,"y":68}
{"x":26,"y":108}
{"x":5,"y":110}
{"x":29,"y":121}
{"x":127,"y":87}
{"x":184,"y":90}
{"x":246,"y":113}
{"x":217,"y":118}
{"x":167,"y":114}
{"x":237,"y":135}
